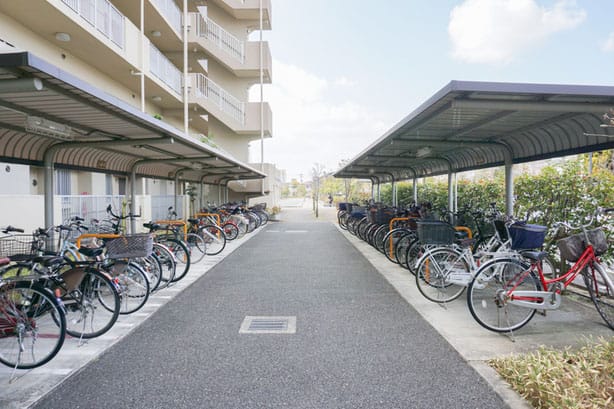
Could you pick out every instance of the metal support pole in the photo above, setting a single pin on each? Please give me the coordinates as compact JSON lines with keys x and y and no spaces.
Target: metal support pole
{"x":177,"y":191}
{"x":49,"y":190}
{"x":451,"y":194}
{"x":456,"y":193}
{"x":142,"y":75}
{"x":509,"y":187}
{"x":261,"y":99}
{"x":186,"y":124}
{"x":415,"y":190}
{"x":132,"y":198}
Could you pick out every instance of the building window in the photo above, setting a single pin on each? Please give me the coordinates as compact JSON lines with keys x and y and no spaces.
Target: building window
{"x":62,"y":182}
{"x":122,"y":186}
{"x":108,"y":182}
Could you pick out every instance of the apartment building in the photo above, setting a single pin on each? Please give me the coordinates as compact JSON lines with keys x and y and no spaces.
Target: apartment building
{"x":192,"y":77}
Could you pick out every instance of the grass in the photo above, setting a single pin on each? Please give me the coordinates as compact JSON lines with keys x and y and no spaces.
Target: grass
{"x":569,"y":379}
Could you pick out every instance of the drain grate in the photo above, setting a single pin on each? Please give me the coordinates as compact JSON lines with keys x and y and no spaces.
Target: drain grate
{"x":268,"y":325}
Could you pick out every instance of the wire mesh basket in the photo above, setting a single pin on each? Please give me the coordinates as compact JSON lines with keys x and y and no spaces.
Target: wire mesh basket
{"x":136,"y":245}
{"x":435,"y":232}
{"x":572,"y":247}
{"x":19,"y":245}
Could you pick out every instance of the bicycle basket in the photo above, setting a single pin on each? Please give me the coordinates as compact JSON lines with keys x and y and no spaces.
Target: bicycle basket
{"x":136,"y":245}
{"x":18,"y":245}
{"x":527,"y":236}
{"x":435,"y":232}
{"x":572,"y":247}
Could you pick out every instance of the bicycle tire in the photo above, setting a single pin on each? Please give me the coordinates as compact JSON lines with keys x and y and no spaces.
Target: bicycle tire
{"x":378,"y":237}
{"x":182,"y":257}
{"x":400,"y":249}
{"x":132,"y":285}
{"x":214,"y":237}
{"x":29,"y":308}
{"x":485,"y":294}
{"x":393,"y":235}
{"x":413,"y":254}
{"x":84,"y":317}
{"x":166,"y":258}
{"x":230,"y":230}
{"x":197,"y":246}
{"x":597,"y":282}
{"x":434,"y":273}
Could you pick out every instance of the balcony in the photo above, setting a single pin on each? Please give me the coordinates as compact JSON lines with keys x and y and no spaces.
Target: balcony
{"x":102,"y":15}
{"x":162,"y":21}
{"x":163,"y":69}
{"x":240,"y":57}
{"x":248,"y":10}
{"x":243,"y":118}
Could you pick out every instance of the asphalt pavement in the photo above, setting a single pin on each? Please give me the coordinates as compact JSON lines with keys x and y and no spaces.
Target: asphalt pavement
{"x":357,"y":343}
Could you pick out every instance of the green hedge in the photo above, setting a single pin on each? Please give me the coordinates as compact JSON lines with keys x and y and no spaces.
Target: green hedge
{"x":561,"y":192}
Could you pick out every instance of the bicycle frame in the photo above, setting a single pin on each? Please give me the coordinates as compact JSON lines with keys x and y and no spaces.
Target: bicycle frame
{"x":538,"y":299}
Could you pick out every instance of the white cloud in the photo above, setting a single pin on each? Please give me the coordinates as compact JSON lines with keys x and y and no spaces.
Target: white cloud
{"x":344,"y":82}
{"x":496,"y":31}
{"x":608,"y":45}
{"x":308,"y":127}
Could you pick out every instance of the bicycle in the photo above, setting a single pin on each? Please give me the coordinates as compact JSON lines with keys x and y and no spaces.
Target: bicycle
{"x":506,"y":293}
{"x":32,"y":319}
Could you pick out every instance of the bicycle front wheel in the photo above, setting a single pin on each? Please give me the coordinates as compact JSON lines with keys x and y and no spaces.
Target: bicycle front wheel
{"x":442,"y":275}
{"x":601,"y":289}
{"x":32,"y":325}
{"x":197,"y":246}
{"x":214,"y":237}
{"x":489,"y":295}
{"x":91,"y":302}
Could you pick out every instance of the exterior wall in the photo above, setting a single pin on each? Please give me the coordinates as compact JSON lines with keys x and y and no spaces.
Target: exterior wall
{"x":14,"y":179}
{"x":236,"y":145}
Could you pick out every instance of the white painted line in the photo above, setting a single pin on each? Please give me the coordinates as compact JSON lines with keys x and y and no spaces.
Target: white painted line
{"x":272,"y":231}
{"x":296,"y":231}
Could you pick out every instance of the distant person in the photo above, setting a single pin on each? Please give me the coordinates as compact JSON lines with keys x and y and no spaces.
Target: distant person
{"x":330,"y":200}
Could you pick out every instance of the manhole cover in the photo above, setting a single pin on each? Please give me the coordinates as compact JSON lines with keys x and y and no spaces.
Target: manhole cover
{"x":268,"y":325}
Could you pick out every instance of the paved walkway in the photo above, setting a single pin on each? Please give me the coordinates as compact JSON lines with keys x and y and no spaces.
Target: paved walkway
{"x":364,"y":336}
{"x":357,"y":344}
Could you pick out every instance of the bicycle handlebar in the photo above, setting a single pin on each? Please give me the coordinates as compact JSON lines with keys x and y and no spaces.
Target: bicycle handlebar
{"x":128,"y":216}
{"x":11,"y":229}
{"x":598,"y":211}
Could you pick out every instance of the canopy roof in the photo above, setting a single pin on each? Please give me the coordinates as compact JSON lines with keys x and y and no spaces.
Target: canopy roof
{"x":42,"y":106}
{"x":473,"y":125}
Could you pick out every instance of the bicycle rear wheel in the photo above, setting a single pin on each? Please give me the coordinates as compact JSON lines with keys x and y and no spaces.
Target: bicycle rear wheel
{"x":214,"y":237}
{"x":230,"y":230}
{"x":599,"y":285}
{"x":438,"y":274}
{"x":182,"y":257}
{"x":32,"y":325}
{"x":487,"y":295}
{"x":167,"y":261}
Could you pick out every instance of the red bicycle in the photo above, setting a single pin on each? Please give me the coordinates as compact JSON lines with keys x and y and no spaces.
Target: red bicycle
{"x":506,"y":292}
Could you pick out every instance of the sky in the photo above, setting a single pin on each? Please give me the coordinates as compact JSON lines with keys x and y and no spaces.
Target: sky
{"x":346,"y":71}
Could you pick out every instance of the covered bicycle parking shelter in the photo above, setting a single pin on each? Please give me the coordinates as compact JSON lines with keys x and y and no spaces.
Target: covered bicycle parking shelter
{"x":50,"y":118}
{"x":477,"y":125}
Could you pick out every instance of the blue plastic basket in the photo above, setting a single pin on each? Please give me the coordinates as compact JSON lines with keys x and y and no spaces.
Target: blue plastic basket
{"x":527,"y":236}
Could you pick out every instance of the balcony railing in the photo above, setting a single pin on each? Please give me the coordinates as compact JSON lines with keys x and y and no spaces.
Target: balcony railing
{"x":171,"y":12}
{"x":205,"y":88}
{"x":209,"y":29}
{"x":164,"y":70}
{"x":102,"y":15}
